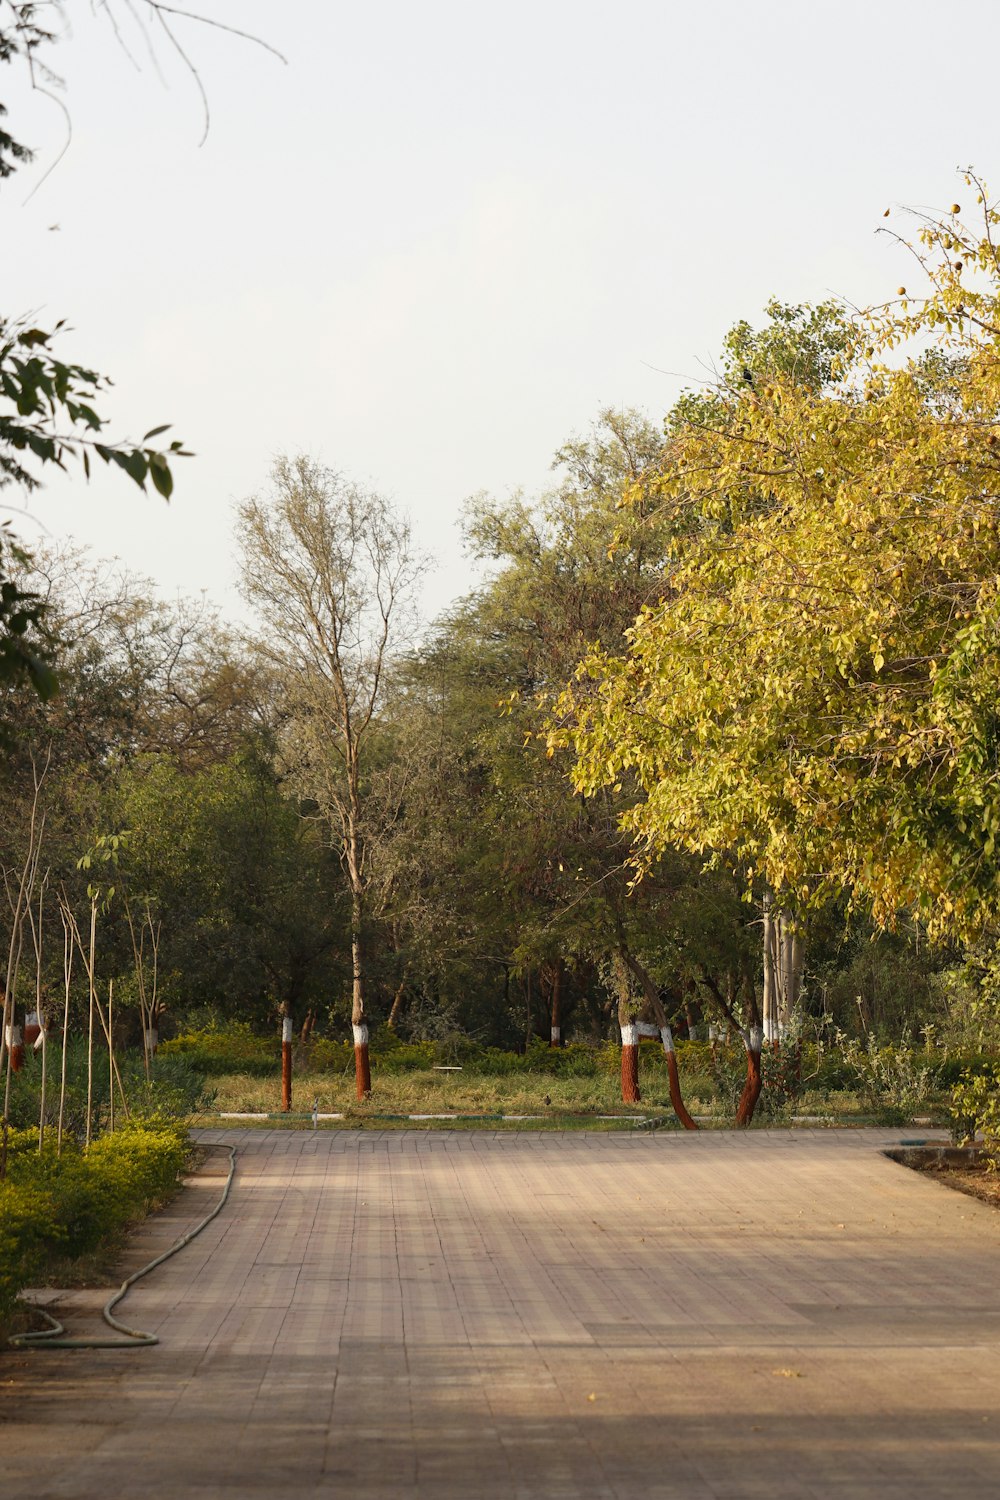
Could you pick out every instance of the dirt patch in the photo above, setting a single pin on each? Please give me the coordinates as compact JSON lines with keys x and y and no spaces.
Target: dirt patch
{"x":963,"y":1168}
{"x":976,"y":1179}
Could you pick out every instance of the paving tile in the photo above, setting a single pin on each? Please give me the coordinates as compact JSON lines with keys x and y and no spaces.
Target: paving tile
{"x":536,"y":1316}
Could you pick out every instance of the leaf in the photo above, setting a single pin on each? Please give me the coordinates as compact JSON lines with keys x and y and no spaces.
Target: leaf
{"x":159,"y":472}
{"x":133,"y":462}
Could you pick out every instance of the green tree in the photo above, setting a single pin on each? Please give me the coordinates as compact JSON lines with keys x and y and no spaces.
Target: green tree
{"x":533,"y":879}
{"x":812,"y":702}
{"x":330,"y":569}
{"x":238,"y":881}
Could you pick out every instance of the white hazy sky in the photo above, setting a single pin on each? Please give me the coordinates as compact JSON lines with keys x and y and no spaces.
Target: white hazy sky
{"x":438,"y":241}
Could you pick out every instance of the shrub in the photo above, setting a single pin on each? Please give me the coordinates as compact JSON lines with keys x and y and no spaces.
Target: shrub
{"x":233,"y":1049}
{"x":30,"y":1233}
{"x":67,"y":1205}
{"x":890,"y":1081}
{"x":975,"y":1107}
{"x":954,"y":1068}
{"x":176,"y":1088}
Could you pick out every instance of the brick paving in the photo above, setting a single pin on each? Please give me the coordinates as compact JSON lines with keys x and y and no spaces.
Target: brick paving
{"x":543,"y":1316}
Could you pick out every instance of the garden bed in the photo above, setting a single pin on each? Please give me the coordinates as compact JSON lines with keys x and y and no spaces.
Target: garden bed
{"x":963,"y":1168}
{"x":68,"y":1213}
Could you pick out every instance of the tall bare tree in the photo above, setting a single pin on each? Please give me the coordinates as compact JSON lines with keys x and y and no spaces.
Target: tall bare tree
{"x":331,"y":570}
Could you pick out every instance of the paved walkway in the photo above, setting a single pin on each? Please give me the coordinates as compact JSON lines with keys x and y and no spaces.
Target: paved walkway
{"x":569,"y":1317}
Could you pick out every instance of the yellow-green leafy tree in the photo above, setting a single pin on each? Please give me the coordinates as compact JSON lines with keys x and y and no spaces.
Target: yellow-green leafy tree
{"x":813,"y":701}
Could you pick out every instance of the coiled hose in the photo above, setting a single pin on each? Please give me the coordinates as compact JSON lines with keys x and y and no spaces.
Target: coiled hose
{"x":52,"y":1338}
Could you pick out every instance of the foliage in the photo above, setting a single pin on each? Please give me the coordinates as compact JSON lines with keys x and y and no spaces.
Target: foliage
{"x":22,"y":641}
{"x":216,"y":1050}
{"x":37,"y":393}
{"x":64,"y":1206}
{"x":237,"y":879}
{"x":948,"y":1069}
{"x":812,"y":702}
{"x":175,"y":1090}
{"x":48,"y":409}
{"x":975,"y":1110}
{"x":21,"y":40}
{"x":968,"y":1001}
{"x":892,"y":1082}
{"x":781,"y":1074}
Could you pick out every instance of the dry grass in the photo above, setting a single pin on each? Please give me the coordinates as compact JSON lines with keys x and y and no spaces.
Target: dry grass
{"x":432,"y":1093}
{"x":472,"y":1093}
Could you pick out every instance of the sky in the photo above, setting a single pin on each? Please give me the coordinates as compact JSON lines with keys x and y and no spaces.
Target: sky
{"x":440,"y":238}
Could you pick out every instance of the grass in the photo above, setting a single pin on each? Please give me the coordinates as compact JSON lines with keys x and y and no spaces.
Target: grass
{"x":555,"y":1099}
{"x":428,"y":1092}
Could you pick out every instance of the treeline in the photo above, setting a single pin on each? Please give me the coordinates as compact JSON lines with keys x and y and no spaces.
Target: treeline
{"x":715,"y":743}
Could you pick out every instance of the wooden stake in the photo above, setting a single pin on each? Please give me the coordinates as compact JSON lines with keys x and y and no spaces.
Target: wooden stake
{"x":111,"y":1060}
{"x":90,"y":1022}
{"x":67,"y":978}
{"x":37,"y":939}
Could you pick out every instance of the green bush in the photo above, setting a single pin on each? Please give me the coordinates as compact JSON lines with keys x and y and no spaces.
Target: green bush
{"x":233,"y":1049}
{"x":892,"y":1082}
{"x":54,"y":1206}
{"x":975,"y":1108}
{"x":953,"y":1068}
{"x":30,"y":1234}
{"x":176,"y":1088}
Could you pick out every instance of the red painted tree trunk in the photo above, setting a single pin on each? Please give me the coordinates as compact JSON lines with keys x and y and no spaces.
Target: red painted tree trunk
{"x":15,"y":1045}
{"x":753,"y":1041}
{"x":675,"y":1083}
{"x":362,"y":1065}
{"x":286,"y":1063}
{"x":630,"y":1064}
{"x":359,"y":1026}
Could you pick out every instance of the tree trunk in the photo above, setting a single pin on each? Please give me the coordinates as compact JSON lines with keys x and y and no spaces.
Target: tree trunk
{"x":90,"y":1025}
{"x":630,"y":1063}
{"x":286,"y":1057}
{"x":791,"y":951}
{"x":359,"y":1023}
{"x":529,"y":1025}
{"x":676,"y":1098}
{"x":398,"y":1003}
{"x":152,"y":1041}
{"x":654,"y":1007}
{"x":111,"y":1057}
{"x":773,"y":949}
{"x":752,"y":1040}
{"x":555,"y":999}
{"x":15,"y":1044}
{"x":43,"y":1037}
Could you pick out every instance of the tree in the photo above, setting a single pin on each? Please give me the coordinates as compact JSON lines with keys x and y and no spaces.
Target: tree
{"x":812,"y":702}
{"x":529,"y":881}
{"x":330,"y":568}
{"x":237,"y":879}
